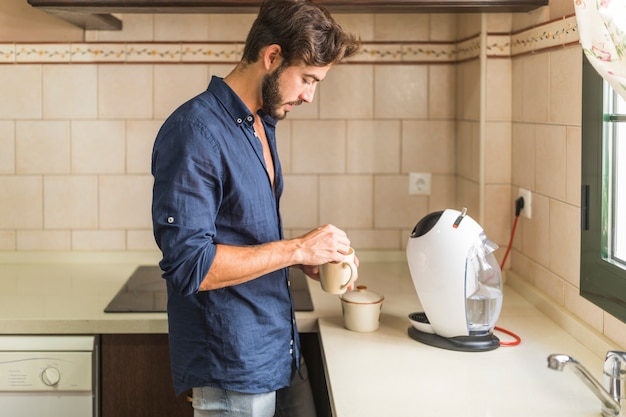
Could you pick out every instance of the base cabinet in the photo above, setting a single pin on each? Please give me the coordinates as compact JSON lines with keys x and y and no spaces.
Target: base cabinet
{"x":136,"y":379}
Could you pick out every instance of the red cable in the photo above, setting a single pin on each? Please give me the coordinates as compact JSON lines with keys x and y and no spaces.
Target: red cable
{"x":515,"y":342}
{"x":508,"y":249}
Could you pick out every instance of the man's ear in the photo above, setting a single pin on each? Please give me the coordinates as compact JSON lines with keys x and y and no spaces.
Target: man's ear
{"x":272,"y":57}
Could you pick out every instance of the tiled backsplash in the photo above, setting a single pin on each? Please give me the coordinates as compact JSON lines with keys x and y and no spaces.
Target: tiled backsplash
{"x":77,"y":138}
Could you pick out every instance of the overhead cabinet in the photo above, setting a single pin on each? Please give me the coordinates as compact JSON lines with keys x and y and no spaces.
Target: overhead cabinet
{"x":98,"y":14}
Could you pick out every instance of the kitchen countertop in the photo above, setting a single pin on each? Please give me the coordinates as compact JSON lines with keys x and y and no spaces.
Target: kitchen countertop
{"x":383,"y":373}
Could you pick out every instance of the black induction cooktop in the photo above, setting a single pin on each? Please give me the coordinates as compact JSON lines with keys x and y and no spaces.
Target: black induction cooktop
{"x":145,"y":292}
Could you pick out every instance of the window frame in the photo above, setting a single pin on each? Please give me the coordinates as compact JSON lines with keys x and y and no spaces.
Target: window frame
{"x":601,"y":282}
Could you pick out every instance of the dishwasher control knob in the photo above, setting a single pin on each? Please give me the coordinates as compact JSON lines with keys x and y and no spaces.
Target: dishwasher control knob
{"x":51,"y":376}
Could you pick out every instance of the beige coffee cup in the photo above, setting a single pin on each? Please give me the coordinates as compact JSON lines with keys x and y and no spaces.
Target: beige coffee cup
{"x":336,"y":277}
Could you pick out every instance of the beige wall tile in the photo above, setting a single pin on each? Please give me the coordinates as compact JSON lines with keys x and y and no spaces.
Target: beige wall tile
{"x":125,"y":91}
{"x":499,"y":22}
{"x":98,"y":240}
{"x":347,"y":92}
{"x":468,"y":90}
{"x":497,"y":223}
{"x":125,"y":201}
{"x":373,"y":146}
{"x":443,"y":193}
{"x":584,"y":309}
{"x":443,"y":27}
{"x":43,"y":240}
{"x":566,"y":71}
{"x":497,"y":152}
{"x":574,"y":165}
{"x":405,"y":27}
{"x":136,"y":27}
{"x":535,"y":232}
{"x":175,"y":84}
{"x":428,"y":146}
{"x":98,"y":147}
{"x":361,"y":24}
{"x":70,"y":91}
{"x":70,"y":201}
{"x":523,"y":156}
{"x":550,"y":283}
{"x":517,"y":100}
{"x":300,"y":202}
{"x":550,"y":168}
{"x":615,"y":329}
{"x":8,"y":240}
{"x":406,"y":97}
{"x":498,"y":90}
{"x":21,"y":91}
{"x":142,"y":240}
{"x":467,"y":196}
{"x":230,"y":27}
{"x":375,"y":239}
{"x":466,"y":145}
{"x":535,"y":85}
{"x":469,"y":24}
{"x":42,"y":147}
{"x":441,"y":92}
{"x":7,"y":147}
{"x":306,"y":111}
{"x":393,"y":206}
{"x":181,"y":27}
{"x":346,"y":201}
{"x":283,"y":145}
{"x":140,"y":137}
{"x":533,"y":18}
{"x":21,"y":202}
{"x":565,"y":241}
{"x":318,"y":146}
{"x":560,"y":8}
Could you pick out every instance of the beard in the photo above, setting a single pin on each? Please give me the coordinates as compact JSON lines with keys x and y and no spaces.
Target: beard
{"x":272,"y":97}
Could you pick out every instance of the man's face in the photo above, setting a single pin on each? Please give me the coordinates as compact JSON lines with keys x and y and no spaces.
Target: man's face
{"x":290,"y":86}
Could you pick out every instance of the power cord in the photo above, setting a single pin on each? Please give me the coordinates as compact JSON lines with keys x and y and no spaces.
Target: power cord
{"x":519,"y":205}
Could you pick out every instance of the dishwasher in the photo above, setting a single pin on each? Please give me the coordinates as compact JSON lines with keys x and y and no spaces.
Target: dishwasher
{"x":49,"y":376}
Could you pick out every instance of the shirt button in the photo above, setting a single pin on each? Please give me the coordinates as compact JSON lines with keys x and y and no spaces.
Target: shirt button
{"x":170,"y":220}
{"x":291,"y":342}
{"x":290,"y":351}
{"x":239,"y":120}
{"x":249,"y":118}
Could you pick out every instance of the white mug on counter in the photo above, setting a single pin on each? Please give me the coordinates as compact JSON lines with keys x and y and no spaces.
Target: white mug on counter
{"x":336,"y":277}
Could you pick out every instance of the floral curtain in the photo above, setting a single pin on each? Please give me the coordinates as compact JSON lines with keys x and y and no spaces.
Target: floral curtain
{"x":602,"y":33}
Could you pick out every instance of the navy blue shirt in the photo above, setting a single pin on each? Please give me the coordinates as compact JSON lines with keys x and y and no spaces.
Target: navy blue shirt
{"x":211,"y":187}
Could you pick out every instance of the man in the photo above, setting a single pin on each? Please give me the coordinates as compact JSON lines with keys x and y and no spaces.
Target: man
{"x":217,"y":187}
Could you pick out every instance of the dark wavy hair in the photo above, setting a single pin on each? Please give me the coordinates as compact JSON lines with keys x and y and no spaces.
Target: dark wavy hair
{"x":305,"y":31}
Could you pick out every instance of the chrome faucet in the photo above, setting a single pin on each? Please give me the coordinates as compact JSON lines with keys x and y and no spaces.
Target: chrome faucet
{"x":613,"y":391}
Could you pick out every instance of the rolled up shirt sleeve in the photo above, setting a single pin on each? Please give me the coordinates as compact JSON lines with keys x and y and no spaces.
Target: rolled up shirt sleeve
{"x":186,"y":198}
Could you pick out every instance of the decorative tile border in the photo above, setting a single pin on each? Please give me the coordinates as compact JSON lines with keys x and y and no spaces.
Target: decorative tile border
{"x":552,"y":34}
{"x":549,"y":35}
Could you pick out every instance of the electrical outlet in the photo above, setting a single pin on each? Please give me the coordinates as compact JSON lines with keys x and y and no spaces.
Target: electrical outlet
{"x":527,"y":211}
{"x":419,"y":183}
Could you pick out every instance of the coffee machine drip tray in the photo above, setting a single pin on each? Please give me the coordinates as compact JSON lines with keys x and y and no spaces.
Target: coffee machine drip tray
{"x":146,"y":292}
{"x":480,"y":343}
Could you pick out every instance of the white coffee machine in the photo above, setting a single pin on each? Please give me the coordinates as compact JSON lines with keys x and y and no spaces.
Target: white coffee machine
{"x":458,"y":282}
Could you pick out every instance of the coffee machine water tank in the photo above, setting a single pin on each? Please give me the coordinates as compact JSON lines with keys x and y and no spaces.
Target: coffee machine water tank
{"x":457,"y":279}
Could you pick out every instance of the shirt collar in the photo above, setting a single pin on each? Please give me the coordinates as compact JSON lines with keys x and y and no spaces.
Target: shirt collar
{"x":233,"y":104}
